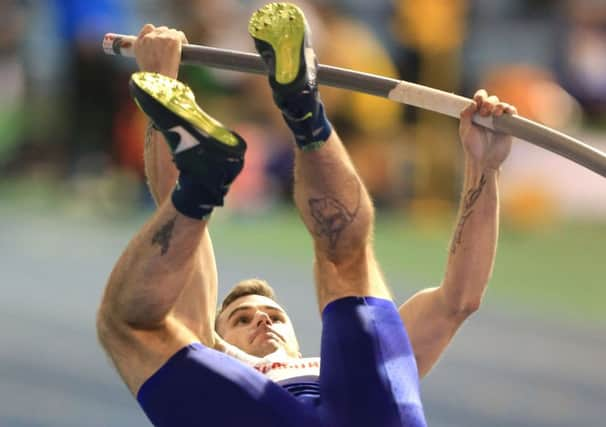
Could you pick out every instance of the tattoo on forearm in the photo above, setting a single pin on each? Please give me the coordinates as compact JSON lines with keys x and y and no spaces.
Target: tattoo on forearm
{"x":470,"y":199}
{"x":164,"y":235}
{"x":332,"y":216}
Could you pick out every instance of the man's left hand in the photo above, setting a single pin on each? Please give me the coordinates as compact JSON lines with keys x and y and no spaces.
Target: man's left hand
{"x":482,"y":146}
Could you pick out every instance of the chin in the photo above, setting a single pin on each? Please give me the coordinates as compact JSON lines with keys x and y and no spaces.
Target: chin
{"x":266,"y":349}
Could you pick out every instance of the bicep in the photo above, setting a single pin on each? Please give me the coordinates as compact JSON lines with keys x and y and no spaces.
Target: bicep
{"x":197,"y":303}
{"x":138,"y":353}
{"x":430,"y":325}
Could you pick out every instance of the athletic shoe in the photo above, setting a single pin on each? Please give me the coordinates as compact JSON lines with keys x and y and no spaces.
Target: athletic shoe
{"x":204,"y":150}
{"x":282,"y":38}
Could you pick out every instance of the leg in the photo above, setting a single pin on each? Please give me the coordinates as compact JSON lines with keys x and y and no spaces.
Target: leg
{"x":199,"y":386}
{"x":338,"y":213}
{"x":368,"y":372}
{"x":330,"y":196}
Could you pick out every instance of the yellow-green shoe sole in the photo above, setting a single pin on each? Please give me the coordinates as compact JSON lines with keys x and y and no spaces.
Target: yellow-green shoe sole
{"x":282,"y":25}
{"x":179,"y":99}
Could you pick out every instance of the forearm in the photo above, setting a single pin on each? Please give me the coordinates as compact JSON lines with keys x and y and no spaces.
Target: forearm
{"x":160,"y":169}
{"x":159,"y":51}
{"x":153,"y":271}
{"x":433,"y":316}
{"x":473,"y":245}
{"x":197,"y":302}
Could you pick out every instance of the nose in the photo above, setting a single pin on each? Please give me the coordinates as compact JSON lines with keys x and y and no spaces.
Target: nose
{"x":262,"y":318}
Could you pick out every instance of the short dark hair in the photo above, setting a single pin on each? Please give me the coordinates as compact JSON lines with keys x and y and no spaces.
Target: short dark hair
{"x":245,"y":288}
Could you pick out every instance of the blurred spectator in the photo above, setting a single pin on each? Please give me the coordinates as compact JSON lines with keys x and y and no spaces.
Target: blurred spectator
{"x":96,"y":88}
{"x":374,"y":14}
{"x":536,"y":94}
{"x":431,"y":33}
{"x":12,"y":84}
{"x":65,"y":105}
{"x":500,"y":32}
{"x":584,"y":55}
{"x":360,"y":112}
{"x":252,"y":192}
{"x":370,"y":126}
{"x":127,"y":143}
{"x":435,"y":26}
{"x":73,"y":89}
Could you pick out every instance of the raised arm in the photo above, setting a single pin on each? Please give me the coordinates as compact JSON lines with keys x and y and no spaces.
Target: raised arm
{"x":159,"y":50}
{"x":433,"y":315}
{"x":162,"y":292}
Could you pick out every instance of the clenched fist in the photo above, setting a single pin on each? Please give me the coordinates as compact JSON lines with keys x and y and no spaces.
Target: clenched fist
{"x":158,"y":49}
{"x":482,"y":146}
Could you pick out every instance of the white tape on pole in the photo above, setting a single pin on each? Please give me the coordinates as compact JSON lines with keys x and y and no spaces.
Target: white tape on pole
{"x":436,"y":100}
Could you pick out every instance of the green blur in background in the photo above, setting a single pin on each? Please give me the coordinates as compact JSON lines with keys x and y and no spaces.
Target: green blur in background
{"x":551,"y":271}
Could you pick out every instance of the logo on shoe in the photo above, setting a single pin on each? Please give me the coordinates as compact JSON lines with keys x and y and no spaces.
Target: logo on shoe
{"x":186,"y":140}
{"x":310,"y":60}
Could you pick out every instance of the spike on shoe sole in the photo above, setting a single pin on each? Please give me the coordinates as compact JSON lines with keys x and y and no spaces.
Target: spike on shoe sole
{"x":179,"y":99}
{"x":282,"y":25}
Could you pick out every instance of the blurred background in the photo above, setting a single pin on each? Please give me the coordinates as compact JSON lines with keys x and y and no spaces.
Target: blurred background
{"x":72,"y":193}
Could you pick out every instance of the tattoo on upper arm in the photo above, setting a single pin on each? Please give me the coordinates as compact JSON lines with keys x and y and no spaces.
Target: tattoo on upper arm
{"x":163,"y":236}
{"x":332,"y":216}
{"x":470,"y":199}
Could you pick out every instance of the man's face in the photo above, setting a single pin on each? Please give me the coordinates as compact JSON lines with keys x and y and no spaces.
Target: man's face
{"x":258,"y":326}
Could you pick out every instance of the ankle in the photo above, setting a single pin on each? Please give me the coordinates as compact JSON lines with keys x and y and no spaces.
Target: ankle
{"x":310,"y":130}
{"x":194,"y":199}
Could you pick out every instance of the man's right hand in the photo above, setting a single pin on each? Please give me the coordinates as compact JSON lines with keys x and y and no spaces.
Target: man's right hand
{"x":158,"y":49}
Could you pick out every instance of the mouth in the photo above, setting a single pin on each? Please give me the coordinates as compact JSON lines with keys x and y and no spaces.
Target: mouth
{"x":265,"y":333}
